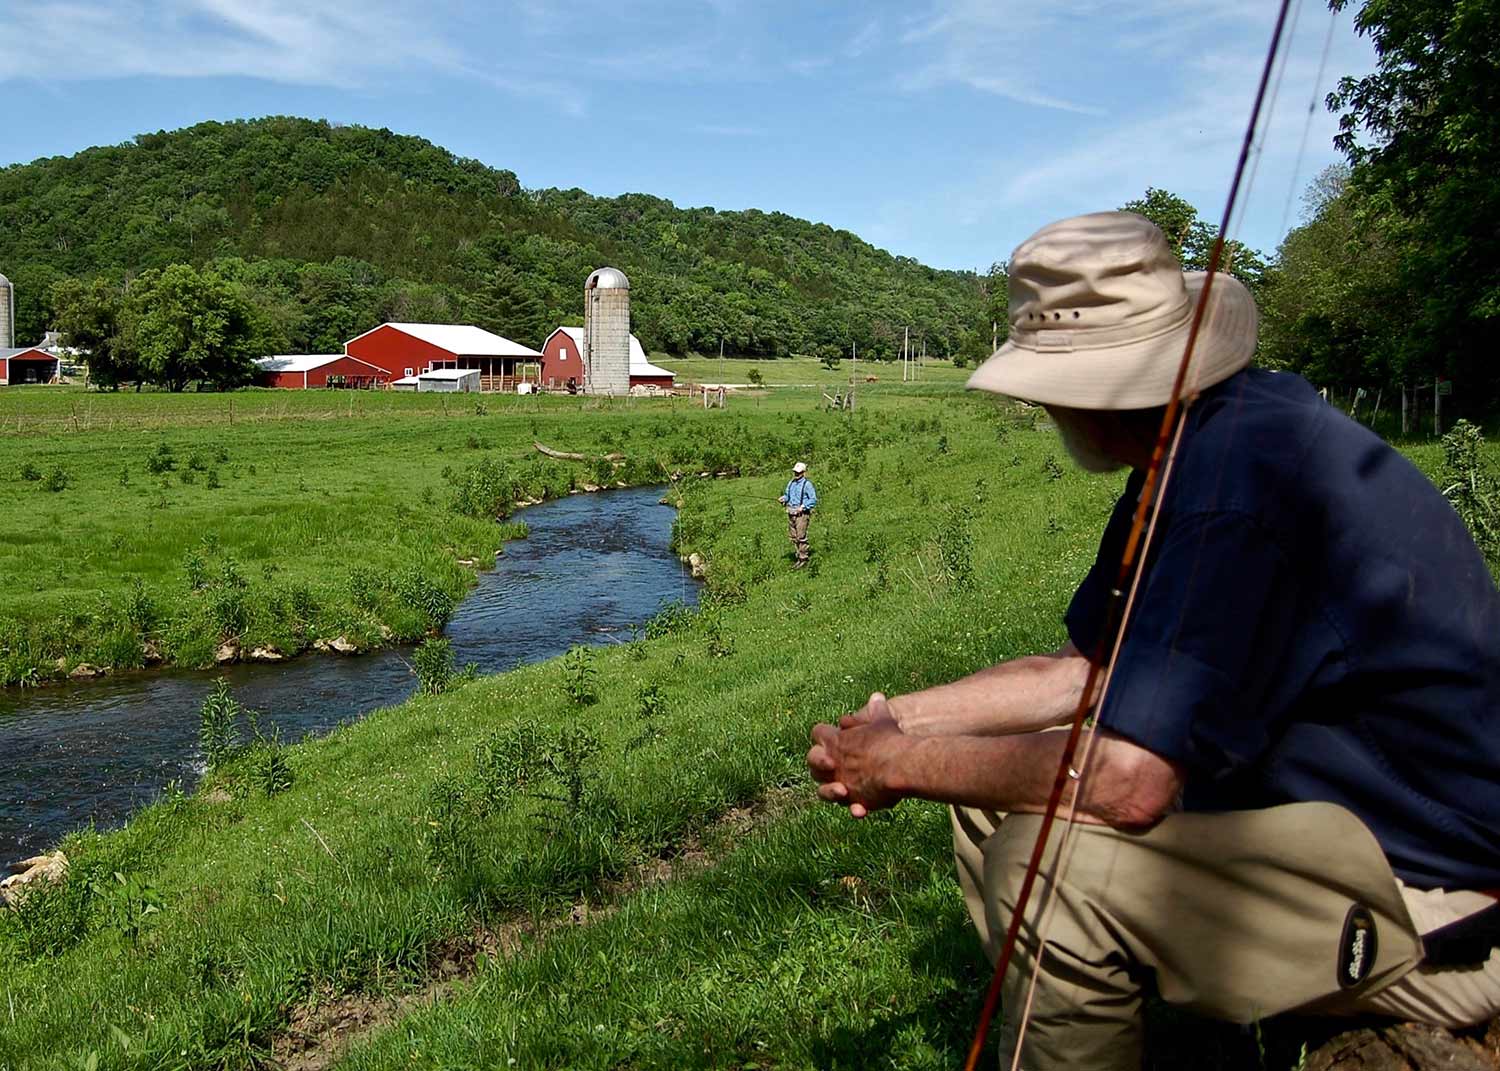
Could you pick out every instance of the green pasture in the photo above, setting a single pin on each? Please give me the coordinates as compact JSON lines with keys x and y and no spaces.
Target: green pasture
{"x":809,"y":372}
{"x":156,"y":526}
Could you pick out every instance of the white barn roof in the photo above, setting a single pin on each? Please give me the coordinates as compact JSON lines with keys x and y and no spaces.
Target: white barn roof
{"x":466,"y":340}
{"x":296,"y":362}
{"x":448,"y":373}
{"x":639,"y":366}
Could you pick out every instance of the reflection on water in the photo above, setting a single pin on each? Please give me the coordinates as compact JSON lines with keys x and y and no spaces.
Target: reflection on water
{"x":593,"y":566}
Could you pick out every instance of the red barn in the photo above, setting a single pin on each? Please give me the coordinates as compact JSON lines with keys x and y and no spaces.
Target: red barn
{"x":562,"y":359}
{"x":30,"y":365}
{"x":411,"y":349}
{"x":299,"y":371}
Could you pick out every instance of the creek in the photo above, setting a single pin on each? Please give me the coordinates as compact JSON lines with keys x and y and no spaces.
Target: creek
{"x":593,"y":566}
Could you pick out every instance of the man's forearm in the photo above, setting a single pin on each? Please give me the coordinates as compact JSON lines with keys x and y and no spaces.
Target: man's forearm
{"x":1019,"y":696}
{"x":1128,"y":786}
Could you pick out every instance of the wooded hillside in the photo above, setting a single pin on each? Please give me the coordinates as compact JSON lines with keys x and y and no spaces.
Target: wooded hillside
{"x":332,"y":229}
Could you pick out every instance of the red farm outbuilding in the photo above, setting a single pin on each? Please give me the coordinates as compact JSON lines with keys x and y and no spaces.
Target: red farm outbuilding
{"x":562,"y":360}
{"x":30,"y":365}
{"x":411,"y":349}
{"x":300,"y":371}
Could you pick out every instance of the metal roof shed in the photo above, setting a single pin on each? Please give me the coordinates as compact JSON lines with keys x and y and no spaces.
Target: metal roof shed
{"x":449,"y":379}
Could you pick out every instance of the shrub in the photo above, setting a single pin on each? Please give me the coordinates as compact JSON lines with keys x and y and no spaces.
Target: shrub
{"x":197,"y":462}
{"x":52,"y":918}
{"x":578,"y":676}
{"x":1472,"y":487}
{"x":140,"y":607}
{"x":432,"y":662}
{"x":419,"y":593}
{"x":720,"y":643}
{"x":266,"y":768}
{"x":755,"y":378}
{"x":57,"y":480}
{"x":30,"y":472}
{"x":485,"y":489}
{"x":672,"y":618}
{"x":956,"y":547}
{"x":212,"y":481}
{"x":509,"y":762}
{"x":196,"y":567}
{"x":161,"y":460}
{"x":218,"y":734}
{"x":364,"y":587}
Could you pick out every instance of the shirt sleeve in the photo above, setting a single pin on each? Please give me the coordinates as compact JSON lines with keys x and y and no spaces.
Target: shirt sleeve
{"x":810,"y":496}
{"x":1208,"y":632}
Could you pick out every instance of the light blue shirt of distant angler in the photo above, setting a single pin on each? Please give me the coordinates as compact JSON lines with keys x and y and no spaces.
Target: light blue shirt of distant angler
{"x":800,"y":495}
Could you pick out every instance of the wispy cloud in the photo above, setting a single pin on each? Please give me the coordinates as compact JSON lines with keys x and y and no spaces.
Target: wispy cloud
{"x":1048,"y":55}
{"x":344,"y":44}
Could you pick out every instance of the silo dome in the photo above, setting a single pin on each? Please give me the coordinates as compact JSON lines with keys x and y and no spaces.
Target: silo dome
{"x":607,"y":279}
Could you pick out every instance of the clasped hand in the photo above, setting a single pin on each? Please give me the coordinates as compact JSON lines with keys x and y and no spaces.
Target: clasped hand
{"x":853,"y":762}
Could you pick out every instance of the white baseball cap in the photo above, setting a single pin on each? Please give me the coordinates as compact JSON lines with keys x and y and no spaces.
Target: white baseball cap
{"x":800,"y":466}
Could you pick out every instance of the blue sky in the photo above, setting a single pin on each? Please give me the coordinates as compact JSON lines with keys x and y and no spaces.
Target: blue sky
{"x":945,"y":130}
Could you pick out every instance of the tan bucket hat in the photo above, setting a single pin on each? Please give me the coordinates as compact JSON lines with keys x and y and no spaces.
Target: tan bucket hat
{"x":1099,"y":317}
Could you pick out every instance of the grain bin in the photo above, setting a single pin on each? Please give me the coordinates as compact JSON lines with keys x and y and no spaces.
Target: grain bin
{"x":606,"y":332}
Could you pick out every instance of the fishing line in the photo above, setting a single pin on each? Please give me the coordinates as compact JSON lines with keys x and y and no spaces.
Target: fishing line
{"x":1312,"y":105}
{"x":1235,"y":224}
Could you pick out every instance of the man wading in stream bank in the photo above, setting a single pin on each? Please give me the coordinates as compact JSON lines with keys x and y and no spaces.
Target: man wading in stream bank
{"x":800,"y":500}
{"x":1293,"y":800}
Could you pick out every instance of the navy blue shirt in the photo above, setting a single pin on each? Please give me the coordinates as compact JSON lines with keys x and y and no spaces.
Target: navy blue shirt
{"x":1315,"y":623}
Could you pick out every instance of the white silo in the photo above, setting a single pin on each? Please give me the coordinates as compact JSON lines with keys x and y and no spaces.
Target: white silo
{"x":606,"y":332}
{"x":7,"y":314}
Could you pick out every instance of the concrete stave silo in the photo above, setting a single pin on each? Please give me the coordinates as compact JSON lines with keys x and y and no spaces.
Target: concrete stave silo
{"x":606,"y":332}
{"x":7,"y":314}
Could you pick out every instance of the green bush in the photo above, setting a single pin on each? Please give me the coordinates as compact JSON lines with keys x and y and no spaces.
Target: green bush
{"x":218,"y":729}
{"x":1472,"y":487}
{"x":57,"y":480}
{"x":162,"y":460}
{"x":432,"y":662}
{"x":578,"y":674}
{"x":30,"y":472}
{"x":418,"y":592}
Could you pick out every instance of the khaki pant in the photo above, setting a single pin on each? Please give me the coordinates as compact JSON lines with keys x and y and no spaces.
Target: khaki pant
{"x":1237,"y":916}
{"x":796,"y":531}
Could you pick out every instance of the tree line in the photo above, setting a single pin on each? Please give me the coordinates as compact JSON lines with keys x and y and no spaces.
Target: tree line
{"x":328,"y":230}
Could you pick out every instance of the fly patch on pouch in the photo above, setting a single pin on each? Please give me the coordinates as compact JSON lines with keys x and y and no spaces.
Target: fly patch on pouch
{"x":1357,"y":947}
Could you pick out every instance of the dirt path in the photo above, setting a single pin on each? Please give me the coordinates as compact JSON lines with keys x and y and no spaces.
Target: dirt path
{"x":321,"y":1031}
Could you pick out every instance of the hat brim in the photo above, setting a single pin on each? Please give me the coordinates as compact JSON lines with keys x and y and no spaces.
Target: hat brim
{"x":1133,"y":375}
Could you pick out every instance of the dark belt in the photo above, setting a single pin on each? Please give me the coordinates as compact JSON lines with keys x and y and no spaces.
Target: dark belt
{"x":1465,"y":943}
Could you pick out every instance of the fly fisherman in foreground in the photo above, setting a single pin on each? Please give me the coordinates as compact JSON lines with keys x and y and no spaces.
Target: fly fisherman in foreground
{"x":1293,"y":800}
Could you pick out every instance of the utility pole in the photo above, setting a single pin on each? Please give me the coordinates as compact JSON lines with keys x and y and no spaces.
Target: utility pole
{"x":853,"y":371}
{"x":721,"y":358}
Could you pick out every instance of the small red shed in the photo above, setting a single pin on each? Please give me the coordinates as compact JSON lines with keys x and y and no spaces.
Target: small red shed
{"x":31,"y":364}
{"x":300,"y":371}
{"x":562,"y":359}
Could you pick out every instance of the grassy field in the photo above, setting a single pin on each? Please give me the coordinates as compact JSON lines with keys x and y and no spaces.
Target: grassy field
{"x":805,"y":371}
{"x":610,"y":860}
{"x":157,"y":527}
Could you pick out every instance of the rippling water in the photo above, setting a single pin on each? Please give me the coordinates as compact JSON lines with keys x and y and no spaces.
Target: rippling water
{"x":593,"y":566}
